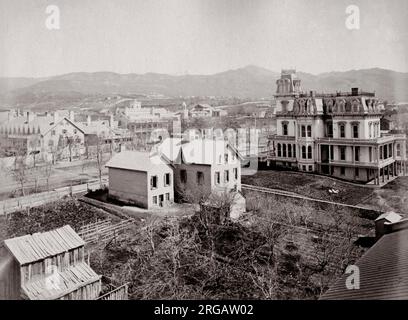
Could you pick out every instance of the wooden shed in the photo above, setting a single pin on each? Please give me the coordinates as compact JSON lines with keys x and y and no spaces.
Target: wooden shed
{"x":47,"y":266}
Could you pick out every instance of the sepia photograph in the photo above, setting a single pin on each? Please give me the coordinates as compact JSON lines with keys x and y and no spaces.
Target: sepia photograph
{"x":203,"y":155}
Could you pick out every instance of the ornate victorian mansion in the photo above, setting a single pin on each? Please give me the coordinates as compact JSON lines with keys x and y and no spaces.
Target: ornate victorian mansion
{"x":335,"y":134}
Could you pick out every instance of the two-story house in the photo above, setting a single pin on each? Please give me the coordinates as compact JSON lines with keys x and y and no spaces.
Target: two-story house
{"x":140,"y":178}
{"x":208,"y":164}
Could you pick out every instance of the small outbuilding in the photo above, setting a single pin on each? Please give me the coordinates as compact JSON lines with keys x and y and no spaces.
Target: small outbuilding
{"x":47,"y":266}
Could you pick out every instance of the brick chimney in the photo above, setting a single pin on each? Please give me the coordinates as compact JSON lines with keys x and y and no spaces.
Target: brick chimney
{"x":383,"y":222}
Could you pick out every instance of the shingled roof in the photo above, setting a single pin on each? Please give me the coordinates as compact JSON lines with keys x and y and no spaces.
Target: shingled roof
{"x":383,"y":271}
{"x":38,"y":246}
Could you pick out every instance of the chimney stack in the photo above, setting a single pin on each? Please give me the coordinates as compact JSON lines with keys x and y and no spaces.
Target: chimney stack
{"x":383,"y":221}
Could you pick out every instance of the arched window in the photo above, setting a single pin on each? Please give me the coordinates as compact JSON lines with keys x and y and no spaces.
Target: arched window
{"x":284,"y":150}
{"x":309,"y":131}
{"x":303,"y":131}
{"x":309,"y":152}
{"x":289,"y":150}
{"x":285,"y":129}
{"x":279,"y":150}
{"x":303,"y":152}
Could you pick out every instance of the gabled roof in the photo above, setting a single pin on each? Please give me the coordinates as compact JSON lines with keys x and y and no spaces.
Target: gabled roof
{"x":390,"y":217}
{"x":136,"y":160}
{"x":42,"y":123}
{"x":38,"y":246}
{"x":198,"y":151}
{"x":383,"y":272}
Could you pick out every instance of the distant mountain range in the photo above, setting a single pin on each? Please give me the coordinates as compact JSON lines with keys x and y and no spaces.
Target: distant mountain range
{"x":247,"y":82}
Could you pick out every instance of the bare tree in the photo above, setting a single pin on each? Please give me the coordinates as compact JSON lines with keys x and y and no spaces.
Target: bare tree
{"x":47,"y":169}
{"x":100,"y":160}
{"x":21,"y":170}
{"x":34,"y":143}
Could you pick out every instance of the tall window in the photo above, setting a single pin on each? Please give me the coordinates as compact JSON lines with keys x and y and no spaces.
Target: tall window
{"x":331,"y":152}
{"x":342,"y":171}
{"x":390,"y":150}
{"x":355,"y":131}
{"x":309,"y":131}
{"x":309,"y":152}
{"x":370,"y":129}
{"x":357,"y":154}
{"x":303,"y":131}
{"x":342,"y":129}
{"x":381,"y":153}
{"x":303,"y":152}
{"x":285,"y":129}
{"x":226,"y":158}
{"x":235,"y":170}
{"x":167,"y":179}
{"x":226,"y":176}
{"x":330,"y":130}
{"x":294,"y":151}
{"x":370,"y":154}
{"x":284,"y":150}
{"x":356,"y":172}
{"x":289,"y":150}
{"x":183,"y":176}
{"x":398,"y":150}
{"x":342,"y":153}
{"x":279,"y":150}
{"x":200,"y":178}
{"x":153,"y":182}
{"x":217,"y":177}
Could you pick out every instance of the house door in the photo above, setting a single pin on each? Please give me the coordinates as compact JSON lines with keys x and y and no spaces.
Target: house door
{"x":161,"y":199}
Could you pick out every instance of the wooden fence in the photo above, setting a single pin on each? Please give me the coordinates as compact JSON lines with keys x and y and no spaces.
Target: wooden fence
{"x":38,"y":199}
{"x":120,"y":293}
{"x":103,"y":230}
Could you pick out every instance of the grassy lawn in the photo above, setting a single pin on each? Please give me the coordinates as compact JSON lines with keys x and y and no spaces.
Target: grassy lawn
{"x":309,"y":185}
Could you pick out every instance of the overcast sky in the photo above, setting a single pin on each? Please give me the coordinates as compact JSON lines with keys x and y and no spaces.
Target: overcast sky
{"x":200,"y":36}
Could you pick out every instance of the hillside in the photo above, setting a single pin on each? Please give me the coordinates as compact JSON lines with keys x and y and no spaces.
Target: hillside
{"x":247,"y":82}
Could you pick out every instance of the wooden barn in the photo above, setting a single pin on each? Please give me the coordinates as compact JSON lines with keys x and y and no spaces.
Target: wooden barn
{"x":47,"y":266}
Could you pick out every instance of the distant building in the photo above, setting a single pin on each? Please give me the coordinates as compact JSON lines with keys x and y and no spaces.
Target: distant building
{"x":205,"y":110}
{"x":148,"y":125}
{"x":47,"y":266}
{"x":140,"y":178}
{"x":335,"y":134}
{"x":47,"y":134}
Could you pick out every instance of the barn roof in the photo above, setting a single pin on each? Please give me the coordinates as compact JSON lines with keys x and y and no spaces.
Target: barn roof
{"x":383,"y":272}
{"x":38,"y":246}
{"x":60,"y":283}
